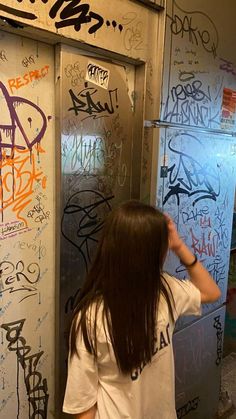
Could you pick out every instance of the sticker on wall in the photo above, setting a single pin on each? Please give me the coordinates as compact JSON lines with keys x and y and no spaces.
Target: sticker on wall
{"x":228,"y":109}
{"x":98,"y":75}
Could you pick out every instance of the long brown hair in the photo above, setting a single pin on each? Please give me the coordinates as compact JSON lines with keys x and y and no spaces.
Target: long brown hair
{"x":127,"y":277}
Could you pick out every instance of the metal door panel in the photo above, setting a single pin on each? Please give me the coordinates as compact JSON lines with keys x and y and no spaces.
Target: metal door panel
{"x":198,"y":351}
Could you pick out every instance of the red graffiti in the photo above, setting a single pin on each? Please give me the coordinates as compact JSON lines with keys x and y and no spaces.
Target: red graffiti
{"x":205,"y":245}
{"x":205,"y":222}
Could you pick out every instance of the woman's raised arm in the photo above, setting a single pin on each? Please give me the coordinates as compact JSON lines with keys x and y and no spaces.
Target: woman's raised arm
{"x":199,"y":276}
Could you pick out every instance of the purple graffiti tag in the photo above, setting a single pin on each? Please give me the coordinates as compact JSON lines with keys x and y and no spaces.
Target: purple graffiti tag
{"x":12,"y":103}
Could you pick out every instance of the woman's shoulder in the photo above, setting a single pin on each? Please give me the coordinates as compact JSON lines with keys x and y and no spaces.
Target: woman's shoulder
{"x":178,"y":287}
{"x":175,"y":286}
{"x":169,"y":280}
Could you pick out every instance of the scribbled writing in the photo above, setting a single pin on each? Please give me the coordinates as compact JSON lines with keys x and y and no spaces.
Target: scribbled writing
{"x":133,"y":34}
{"x":86,"y":102}
{"x":38,"y":249}
{"x":11,"y":229}
{"x":38,"y":212}
{"x":186,"y":26}
{"x":221,"y":229}
{"x":18,"y":278}
{"x":74,"y":73}
{"x":219,"y":336}
{"x":194,"y":214}
{"x":192,"y":90}
{"x":188,"y":407}
{"x":92,"y":155}
{"x":227,"y":66}
{"x":189,"y":177}
{"x":133,"y":37}
{"x":190,"y":104}
{"x":27,"y":61}
{"x":82,"y":223}
{"x":217,"y":269}
{"x":36,"y":386}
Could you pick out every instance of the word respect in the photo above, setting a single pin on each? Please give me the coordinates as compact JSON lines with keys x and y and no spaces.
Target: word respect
{"x":27,"y":78}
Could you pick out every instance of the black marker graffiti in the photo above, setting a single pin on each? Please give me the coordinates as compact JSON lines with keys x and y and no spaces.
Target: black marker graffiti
{"x":98,"y":74}
{"x":33,"y":1}
{"x":86,"y":102}
{"x":191,"y":104}
{"x":37,"y":213}
{"x":85,"y":220}
{"x":188,"y":407}
{"x":27,"y":61}
{"x":219,"y":335}
{"x":194,"y":214}
{"x":186,"y":75}
{"x":89,"y":154}
{"x":187,"y":26}
{"x":17,"y":13}
{"x":71,"y":13}
{"x":114,"y":24}
{"x":217,"y":269}
{"x":193,"y":91}
{"x":82,"y":12}
{"x":221,"y":229}
{"x":36,"y":386}
{"x":15,"y":278}
{"x":189,"y":177}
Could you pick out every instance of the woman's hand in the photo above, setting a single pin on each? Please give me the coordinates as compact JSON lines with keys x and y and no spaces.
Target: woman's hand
{"x":175,"y":242}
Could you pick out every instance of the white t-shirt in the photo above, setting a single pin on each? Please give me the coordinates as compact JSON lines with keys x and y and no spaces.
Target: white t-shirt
{"x":149,"y":392}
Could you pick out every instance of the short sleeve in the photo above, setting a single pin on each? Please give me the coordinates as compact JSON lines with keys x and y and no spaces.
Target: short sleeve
{"x":187,"y":297}
{"x":82,"y":381}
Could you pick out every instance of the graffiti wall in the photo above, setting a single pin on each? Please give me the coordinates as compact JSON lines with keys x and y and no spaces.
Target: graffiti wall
{"x":26,"y":228}
{"x":196,"y":178}
{"x":97,"y":152}
{"x":199,"y":86}
{"x":196,"y":187}
{"x":121,"y":26}
{"x":132,"y":29}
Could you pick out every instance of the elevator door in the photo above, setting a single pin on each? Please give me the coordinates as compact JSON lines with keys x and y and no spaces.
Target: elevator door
{"x":96,"y":160}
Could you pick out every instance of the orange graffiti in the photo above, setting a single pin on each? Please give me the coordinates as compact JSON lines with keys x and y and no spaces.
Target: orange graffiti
{"x":18,"y":176}
{"x":44,"y":182}
{"x":27,"y":78}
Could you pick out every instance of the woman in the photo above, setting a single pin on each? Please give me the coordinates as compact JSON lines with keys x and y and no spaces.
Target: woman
{"x":121,"y":357}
